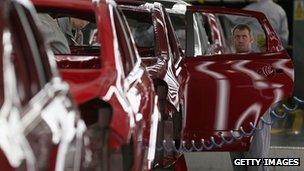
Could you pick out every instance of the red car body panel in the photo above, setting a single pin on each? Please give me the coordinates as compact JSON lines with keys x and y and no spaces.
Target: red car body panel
{"x":47,"y":114}
{"x":84,"y":85}
{"x":216,"y":33}
{"x":157,"y":63}
{"x":236,"y":93}
{"x":81,"y":5}
{"x":101,"y":76}
{"x":165,"y":64}
{"x":4,"y":162}
{"x":225,"y":92}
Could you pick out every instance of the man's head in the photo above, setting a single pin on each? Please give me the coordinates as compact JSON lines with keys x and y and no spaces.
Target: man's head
{"x":78,"y":23}
{"x":242,"y":38}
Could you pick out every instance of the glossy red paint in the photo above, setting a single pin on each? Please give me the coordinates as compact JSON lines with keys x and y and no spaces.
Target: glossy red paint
{"x":235,"y":86}
{"x":102,"y":76}
{"x":217,"y":42}
{"x":224,"y":92}
{"x":35,"y":100}
{"x":4,"y":163}
{"x":156,"y":63}
{"x":79,"y":5}
{"x":164,"y":65}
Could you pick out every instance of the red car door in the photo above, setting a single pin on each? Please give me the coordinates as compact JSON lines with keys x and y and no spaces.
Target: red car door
{"x":139,"y":90}
{"x":39,"y":122}
{"x":148,"y":29}
{"x":226,"y":91}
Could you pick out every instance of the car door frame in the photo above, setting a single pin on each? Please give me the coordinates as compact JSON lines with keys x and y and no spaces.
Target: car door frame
{"x":52,"y":88}
{"x":274,"y":50}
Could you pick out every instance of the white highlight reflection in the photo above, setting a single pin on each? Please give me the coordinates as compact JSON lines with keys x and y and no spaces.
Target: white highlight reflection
{"x":222,"y":96}
{"x":254,"y":109}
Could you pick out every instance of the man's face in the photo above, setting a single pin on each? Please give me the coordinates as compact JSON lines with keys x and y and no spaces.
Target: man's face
{"x":242,"y":41}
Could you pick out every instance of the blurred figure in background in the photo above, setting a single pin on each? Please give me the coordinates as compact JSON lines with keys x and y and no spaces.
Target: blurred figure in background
{"x":53,"y":35}
{"x":276,"y":16}
{"x":71,"y":27}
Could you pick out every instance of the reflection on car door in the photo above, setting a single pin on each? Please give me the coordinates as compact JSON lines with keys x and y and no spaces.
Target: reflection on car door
{"x":39,"y":109}
{"x":139,"y":91}
{"x":227,"y":91}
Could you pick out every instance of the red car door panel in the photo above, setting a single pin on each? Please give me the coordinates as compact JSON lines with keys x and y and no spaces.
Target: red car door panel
{"x":225,"y":80}
{"x":155,"y":56}
{"x":228,"y":91}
